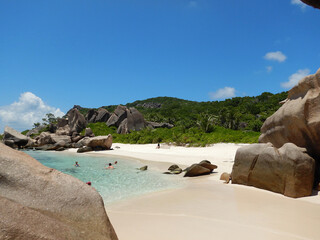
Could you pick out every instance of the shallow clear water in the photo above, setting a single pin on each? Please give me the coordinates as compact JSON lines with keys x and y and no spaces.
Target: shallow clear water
{"x":123,"y":182}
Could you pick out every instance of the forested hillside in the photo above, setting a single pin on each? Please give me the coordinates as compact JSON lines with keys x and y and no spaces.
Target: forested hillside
{"x":246,"y":113}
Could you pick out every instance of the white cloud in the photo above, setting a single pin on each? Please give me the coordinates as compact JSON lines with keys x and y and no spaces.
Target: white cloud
{"x":28,"y":110}
{"x":222,"y":93}
{"x":192,"y":4}
{"x":295,"y":78}
{"x":269,"y":69}
{"x":275,"y":56}
{"x":298,"y":3}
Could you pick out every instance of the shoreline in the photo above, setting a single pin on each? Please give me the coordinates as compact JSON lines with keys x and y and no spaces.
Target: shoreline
{"x":206,"y":208}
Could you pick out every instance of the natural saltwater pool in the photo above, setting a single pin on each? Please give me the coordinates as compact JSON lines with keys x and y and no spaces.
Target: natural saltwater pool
{"x":123,"y":182}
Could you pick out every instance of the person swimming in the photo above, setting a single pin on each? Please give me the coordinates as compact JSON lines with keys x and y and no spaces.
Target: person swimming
{"x":110,"y":166}
{"x":76,"y":164}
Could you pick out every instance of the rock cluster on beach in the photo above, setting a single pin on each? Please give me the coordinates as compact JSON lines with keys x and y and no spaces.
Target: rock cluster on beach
{"x":289,"y":169}
{"x":37,"y":202}
{"x":203,"y":168}
{"x":66,"y":132}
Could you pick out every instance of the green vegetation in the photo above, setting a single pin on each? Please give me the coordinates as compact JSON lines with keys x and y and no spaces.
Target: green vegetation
{"x":181,"y":136}
{"x":236,"y":120}
{"x":245,"y":113}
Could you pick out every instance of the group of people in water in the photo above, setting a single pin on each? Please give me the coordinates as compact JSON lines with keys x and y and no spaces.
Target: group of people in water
{"x":109,"y":166}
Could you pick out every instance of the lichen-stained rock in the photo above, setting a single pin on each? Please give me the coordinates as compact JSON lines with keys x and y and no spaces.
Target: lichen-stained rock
{"x":288,"y":170}
{"x":298,"y":119}
{"x":313,"y":3}
{"x":37,"y":202}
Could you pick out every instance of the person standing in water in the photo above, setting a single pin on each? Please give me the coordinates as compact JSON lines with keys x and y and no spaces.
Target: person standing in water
{"x":76,"y":164}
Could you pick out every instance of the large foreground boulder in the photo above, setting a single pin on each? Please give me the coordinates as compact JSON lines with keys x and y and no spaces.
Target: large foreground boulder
{"x":298,"y":119}
{"x":37,"y":202}
{"x":288,"y":170}
{"x":12,"y":137}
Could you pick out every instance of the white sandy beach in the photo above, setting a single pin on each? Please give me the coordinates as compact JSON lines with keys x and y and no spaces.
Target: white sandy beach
{"x":207,"y":208}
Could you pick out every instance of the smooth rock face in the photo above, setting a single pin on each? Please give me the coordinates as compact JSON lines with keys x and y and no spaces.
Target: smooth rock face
{"x":14,"y":136}
{"x":298,"y":119}
{"x":101,"y":142}
{"x":313,"y":3}
{"x":37,"y":202}
{"x":76,"y":121}
{"x":288,"y":170}
{"x":134,"y":122}
{"x":196,"y":170}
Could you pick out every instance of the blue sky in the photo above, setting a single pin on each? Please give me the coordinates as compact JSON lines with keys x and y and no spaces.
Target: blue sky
{"x":55,"y":54}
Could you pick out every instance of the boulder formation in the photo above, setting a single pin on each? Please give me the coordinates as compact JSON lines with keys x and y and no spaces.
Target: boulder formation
{"x":37,"y":202}
{"x":76,"y":121}
{"x":119,"y":114}
{"x":288,"y":170}
{"x":100,"y":115}
{"x":198,"y":169}
{"x":13,"y":138}
{"x":134,"y":122}
{"x":298,"y":120}
{"x":313,"y":3}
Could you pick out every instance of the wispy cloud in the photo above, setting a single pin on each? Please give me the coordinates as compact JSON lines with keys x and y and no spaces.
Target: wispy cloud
{"x":192,"y":4}
{"x":269,"y":69}
{"x":298,"y":3}
{"x":295,"y":78}
{"x":275,"y":56}
{"x":28,"y":110}
{"x":223,"y":93}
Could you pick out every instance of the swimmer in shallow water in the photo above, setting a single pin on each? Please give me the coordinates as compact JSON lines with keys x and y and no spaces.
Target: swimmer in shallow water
{"x":76,"y":164}
{"x":110,"y":166}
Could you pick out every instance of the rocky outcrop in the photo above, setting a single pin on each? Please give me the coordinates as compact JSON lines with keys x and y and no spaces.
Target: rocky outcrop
{"x":159,"y":125}
{"x":35,"y":130}
{"x":76,"y":121}
{"x":46,"y":138}
{"x":150,"y":105}
{"x":100,"y":115}
{"x":288,"y":170}
{"x":198,"y":169}
{"x":37,"y":202}
{"x":119,"y":114}
{"x":313,"y":3}
{"x":134,"y":122}
{"x":88,"y":133}
{"x":13,"y":138}
{"x":298,"y":120}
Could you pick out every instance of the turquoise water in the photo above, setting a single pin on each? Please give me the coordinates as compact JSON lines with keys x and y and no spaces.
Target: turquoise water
{"x":123,"y":182}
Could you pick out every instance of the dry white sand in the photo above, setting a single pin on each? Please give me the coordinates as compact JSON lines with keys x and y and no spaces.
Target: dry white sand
{"x":206,"y":208}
